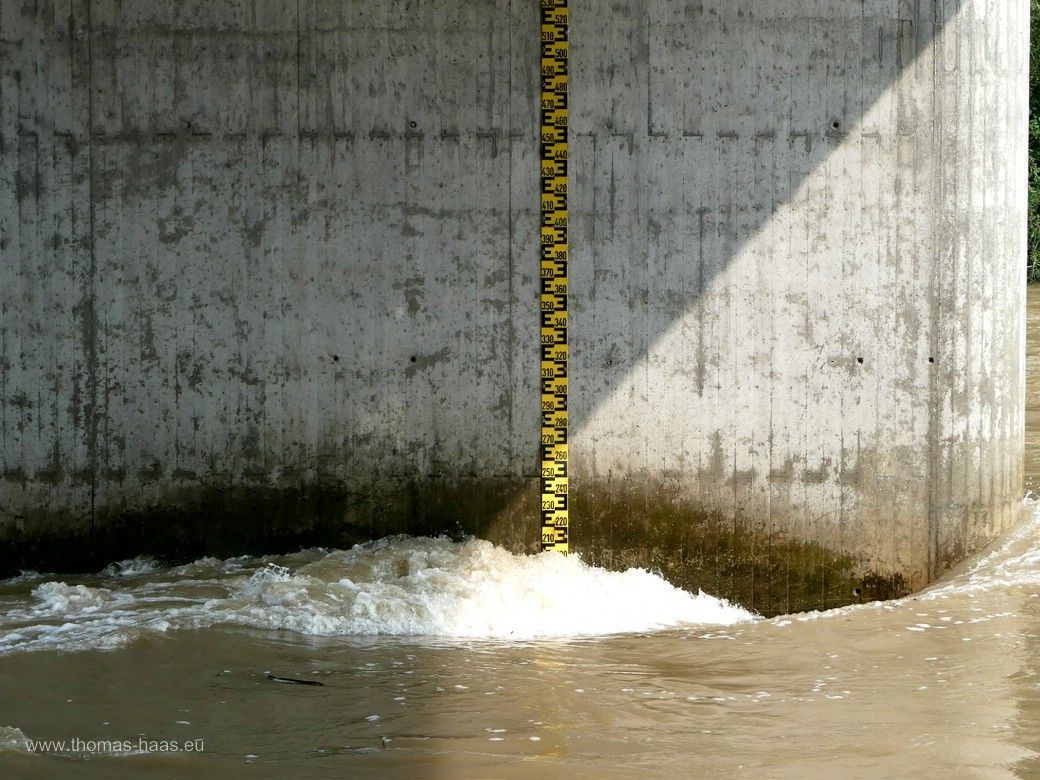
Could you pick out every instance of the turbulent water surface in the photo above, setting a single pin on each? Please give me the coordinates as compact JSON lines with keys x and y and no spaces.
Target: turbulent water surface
{"x":445,"y":659}
{"x":399,"y":587}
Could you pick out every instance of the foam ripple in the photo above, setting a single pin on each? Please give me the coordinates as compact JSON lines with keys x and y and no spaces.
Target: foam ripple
{"x":399,"y":586}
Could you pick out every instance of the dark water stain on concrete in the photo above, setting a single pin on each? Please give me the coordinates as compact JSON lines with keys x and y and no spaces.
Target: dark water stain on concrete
{"x":616,"y":526}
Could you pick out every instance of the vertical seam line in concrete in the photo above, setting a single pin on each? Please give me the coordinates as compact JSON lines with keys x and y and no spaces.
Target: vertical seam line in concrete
{"x":90,"y":324}
{"x":649,"y":99}
{"x":299,"y":107}
{"x":510,"y":356}
{"x":299,"y":103}
{"x":937,"y":201}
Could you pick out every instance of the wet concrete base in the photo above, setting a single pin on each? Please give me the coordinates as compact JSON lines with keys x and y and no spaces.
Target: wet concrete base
{"x":613,"y":526}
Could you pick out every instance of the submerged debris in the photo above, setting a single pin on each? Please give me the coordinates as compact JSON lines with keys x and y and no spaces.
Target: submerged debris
{"x":293,"y":680}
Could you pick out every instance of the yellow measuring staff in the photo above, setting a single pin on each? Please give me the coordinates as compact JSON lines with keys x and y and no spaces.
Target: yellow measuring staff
{"x":554,"y":480}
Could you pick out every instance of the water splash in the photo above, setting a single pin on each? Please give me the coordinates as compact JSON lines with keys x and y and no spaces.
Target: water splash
{"x":1013,"y":562}
{"x":14,"y":740}
{"x":399,"y":586}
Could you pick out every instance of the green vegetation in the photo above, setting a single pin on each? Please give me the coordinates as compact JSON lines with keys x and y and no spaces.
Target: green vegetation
{"x":1034,"y":144}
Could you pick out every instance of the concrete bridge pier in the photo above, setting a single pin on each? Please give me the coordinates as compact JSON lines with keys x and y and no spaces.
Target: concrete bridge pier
{"x":268,"y":277}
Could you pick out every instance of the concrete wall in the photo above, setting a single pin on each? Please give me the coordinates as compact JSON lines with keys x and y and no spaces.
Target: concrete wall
{"x":268,"y":277}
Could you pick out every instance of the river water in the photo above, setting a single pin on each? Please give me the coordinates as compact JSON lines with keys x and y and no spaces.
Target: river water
{"x":444,"y":659}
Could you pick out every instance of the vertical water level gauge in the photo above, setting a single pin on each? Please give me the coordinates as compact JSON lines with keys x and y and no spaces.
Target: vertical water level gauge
{"x":553,"y":299}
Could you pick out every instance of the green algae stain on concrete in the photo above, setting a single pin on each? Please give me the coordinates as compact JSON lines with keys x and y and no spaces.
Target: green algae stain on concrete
{"x":616,"y":527}
{"x":697,"y":550}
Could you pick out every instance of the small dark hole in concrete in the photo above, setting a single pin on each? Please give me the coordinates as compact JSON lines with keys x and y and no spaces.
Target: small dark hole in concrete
{"x":413,"y":358}
{"x":835,"y":124}
{"x":860,"y":361}
{"x":857,"y":592}
{"x":412,"y":124}
{"x":931,"y":360}
{"x":335,"y":358}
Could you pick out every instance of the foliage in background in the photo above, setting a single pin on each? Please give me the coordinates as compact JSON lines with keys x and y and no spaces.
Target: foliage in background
{"x":1034,"y":143}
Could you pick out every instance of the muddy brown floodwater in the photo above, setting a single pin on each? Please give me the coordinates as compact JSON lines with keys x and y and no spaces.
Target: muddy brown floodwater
{"x":442,"y":659}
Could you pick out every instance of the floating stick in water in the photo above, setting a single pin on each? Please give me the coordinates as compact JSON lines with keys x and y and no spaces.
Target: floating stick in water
{"x":292,"y":680}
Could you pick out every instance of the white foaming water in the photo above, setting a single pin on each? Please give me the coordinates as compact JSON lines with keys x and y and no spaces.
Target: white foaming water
{"x":13,"y":739}
{"x":413,"y":587}
{"x":1013,"y":562}
{"x":394,"y":587}
{"x":60,"y":598}
{"x":132,"y":567}
{"x":408,"y":587}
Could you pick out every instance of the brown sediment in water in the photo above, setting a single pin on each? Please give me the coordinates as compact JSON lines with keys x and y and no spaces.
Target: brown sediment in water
{"x":935,"y":685}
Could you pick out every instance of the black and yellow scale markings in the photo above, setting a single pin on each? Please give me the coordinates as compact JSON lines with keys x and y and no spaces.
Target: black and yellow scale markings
{"x":554,"y":479}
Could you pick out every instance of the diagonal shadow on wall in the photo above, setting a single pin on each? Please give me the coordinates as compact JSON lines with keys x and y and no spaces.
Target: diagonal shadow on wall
{"x":287,"y":261}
